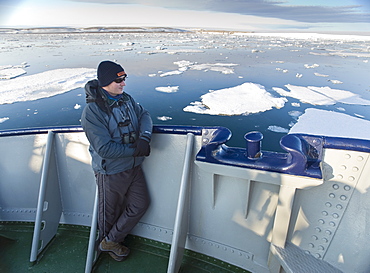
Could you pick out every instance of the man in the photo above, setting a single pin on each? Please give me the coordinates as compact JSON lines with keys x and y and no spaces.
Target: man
{"x":119,"y":131}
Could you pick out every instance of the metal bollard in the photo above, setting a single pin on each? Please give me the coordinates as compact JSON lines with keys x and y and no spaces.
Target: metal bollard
{"x":253,"y":144}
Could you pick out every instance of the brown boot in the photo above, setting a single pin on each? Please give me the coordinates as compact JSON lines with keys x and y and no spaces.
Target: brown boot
{"x":116,"y":248}
{"x":117,"y":258}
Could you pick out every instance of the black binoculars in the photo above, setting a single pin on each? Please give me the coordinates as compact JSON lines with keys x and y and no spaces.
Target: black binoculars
{"x":129,"y":138}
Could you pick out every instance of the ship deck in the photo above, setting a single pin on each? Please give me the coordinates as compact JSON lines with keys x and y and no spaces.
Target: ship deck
{"x":67,"y":253}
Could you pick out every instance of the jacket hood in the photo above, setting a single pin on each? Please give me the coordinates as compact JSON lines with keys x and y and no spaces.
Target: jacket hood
{"x":94,"y":94}
{"x":91,"y":90}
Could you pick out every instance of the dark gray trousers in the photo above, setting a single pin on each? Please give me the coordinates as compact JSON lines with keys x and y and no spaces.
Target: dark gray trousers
{"x":123,"y":200}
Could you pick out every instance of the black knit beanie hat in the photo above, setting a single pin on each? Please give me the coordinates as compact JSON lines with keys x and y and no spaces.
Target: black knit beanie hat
{"x":109,"y":71}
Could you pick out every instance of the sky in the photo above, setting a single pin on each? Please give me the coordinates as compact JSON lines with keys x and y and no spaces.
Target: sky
{"x":244,"y":15}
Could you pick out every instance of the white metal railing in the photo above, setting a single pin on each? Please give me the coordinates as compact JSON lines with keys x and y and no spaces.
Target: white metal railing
{"x":224,"y":195}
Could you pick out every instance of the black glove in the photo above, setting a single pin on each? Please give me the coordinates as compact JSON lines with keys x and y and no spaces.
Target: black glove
{"x":142,"y":147}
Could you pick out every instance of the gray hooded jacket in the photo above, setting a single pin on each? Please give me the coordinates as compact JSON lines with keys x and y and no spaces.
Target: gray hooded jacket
{"x":111,"y":126}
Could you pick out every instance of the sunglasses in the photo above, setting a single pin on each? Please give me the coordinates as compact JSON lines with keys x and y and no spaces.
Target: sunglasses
{"x":120,"y":79}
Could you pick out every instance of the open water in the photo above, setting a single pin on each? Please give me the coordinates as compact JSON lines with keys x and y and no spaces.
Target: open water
{"x":271,"y":61}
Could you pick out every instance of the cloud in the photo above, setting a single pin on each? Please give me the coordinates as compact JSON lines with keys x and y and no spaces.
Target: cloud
{"x":365,"y":4}
{"x":272,"y":9}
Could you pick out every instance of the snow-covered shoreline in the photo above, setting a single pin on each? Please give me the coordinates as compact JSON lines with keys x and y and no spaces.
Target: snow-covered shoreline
{"x":101,"y":29}
{"x":61,"y":30}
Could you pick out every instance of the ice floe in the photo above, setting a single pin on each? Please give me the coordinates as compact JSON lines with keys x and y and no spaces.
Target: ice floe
{"x":224,"y":68}
{"x":277,"y":129}
{"x":295,"y":114}
{"x":321,"y":95}
{"x":253,"y":98}
{"x":77,"y":106}
{"x":358,"y":115}
{"x":336,"y":81}
{"x":3,"y":119}
{"x":167,"y":89}
{"x":164,"y":118}
{"x":320,"y":75}
{"x":308,"y":36}
{"x":311,"y":66}
{"x":282,"y":70}
{"x":171,"y":51}
{"x":329,"y":123}
{"x":12,"y":71}
{"x":218,"y":67}
{"x":171,"y":73}
{"x":243,"y":99}
{"x":44,"y":84}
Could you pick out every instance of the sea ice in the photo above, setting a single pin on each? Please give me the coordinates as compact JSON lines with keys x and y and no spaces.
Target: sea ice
{"x":164,"y":118}
{"x":307,"y":36}
{"x":277,"y":129}
{"x":183,"y":63}
{"x":172,"y":51}
{"x":351,"y":54}
{"x":311,"y":66}
{"x":305,"y":95}
{"x":243,"y":99}
{"x":283,"y":70}
{"x":295,"y":114}
{"x":320,"y":75}
{"x":170,"y":73}
{"x":321,"y":95}
{"x":358,"y":115}
{"x":167,"y":89}
{"x":342,"y":96}
{"x":11,"y":72}
{"x":3,"y":119}
{"x":336,"y":81}
{"x":329,"y":123}
{"x":224,"y":68}
{"x":44,"y":84}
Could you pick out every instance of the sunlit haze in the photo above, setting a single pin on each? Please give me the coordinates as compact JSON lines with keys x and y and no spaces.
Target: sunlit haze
{"x":292,"y":15}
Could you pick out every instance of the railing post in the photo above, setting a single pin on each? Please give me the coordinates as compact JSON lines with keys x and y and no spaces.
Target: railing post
{"x":92,"y":239}
{"x":49,"y":206}
{"x":182,"y":212}
{"x":281,"y":224}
